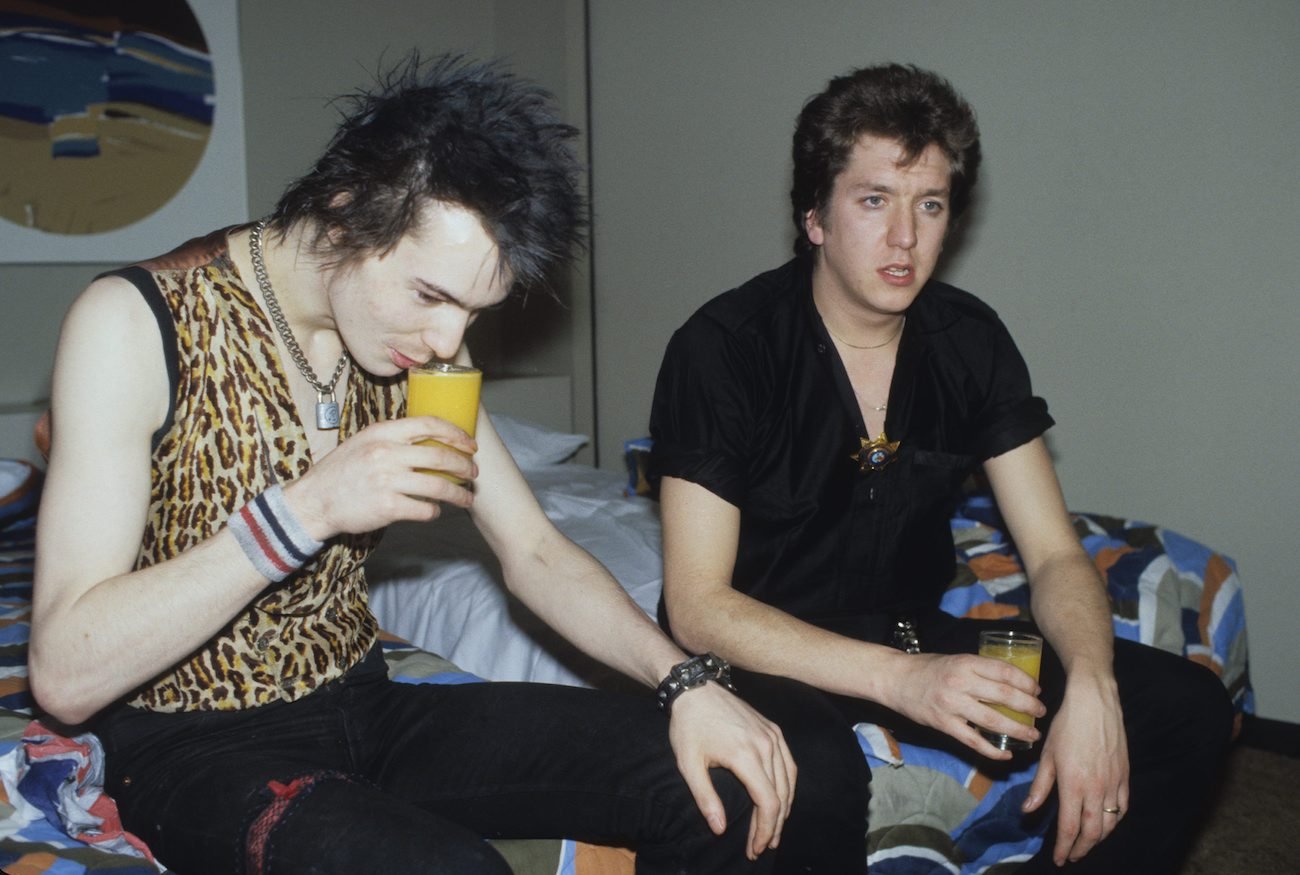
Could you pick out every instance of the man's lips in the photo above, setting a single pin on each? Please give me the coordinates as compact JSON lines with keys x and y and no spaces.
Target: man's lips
{"x":897,"y":274}
{"x":402,"y":361}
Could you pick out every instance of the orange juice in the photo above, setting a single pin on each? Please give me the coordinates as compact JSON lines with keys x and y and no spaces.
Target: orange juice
{"x":446,"y":391}
{"x":1025,"y":652}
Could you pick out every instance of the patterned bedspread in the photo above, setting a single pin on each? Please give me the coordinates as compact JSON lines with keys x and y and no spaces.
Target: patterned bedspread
{"x":930,"y":811}
{"x":935,"y":812}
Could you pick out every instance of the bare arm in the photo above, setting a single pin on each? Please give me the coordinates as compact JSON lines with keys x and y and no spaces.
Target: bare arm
{"x":1069,"y":600}
{"x":573,"y":593}
{"x":1086,"y":752}
{"x":701,"y":536}
{"x":98,"y":630}
{"x":563,"y":584}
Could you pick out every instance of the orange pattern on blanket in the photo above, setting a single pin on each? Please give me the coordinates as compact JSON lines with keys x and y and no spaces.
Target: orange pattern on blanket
{"x":1217,"y":570}
{"x":994,"y":565}
{"x":992,"y":611}
{"x":37,"y":863}
{"x":1108,"y":556}
{"x":895,"y":752}
{"x":602,"y":860}
{"x":11,"y":685}
{"x":979,"y":785}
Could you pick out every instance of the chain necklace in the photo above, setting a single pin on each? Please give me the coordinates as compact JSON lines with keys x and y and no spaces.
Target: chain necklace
{"x":327,"y":407}
{"x":879,"y":408}
{"x":891,"y":339}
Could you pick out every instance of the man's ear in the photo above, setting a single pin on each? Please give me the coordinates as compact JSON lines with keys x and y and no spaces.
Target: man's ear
{"x":812,"y":224}
{"x":339,"y":199}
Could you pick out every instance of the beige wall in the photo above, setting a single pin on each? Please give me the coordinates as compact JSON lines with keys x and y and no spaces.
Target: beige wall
{"x":1136,"y":229}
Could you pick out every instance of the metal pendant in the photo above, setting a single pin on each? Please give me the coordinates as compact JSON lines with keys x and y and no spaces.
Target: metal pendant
{"x":327,"y":412}
{"x":875,"y":455}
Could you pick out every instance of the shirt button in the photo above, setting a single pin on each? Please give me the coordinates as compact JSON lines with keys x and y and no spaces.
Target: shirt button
{"x":821,"y":348}
{"x":264,"y":641}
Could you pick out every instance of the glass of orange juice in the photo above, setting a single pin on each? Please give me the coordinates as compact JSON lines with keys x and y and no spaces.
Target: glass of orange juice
{"x":1025,"y":651}
{"x":446,"y":391}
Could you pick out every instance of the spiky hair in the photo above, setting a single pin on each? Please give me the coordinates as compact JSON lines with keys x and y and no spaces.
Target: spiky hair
{"x":451,"y":130}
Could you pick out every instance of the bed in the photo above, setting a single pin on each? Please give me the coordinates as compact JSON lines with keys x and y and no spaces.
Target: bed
{"x":437,"y":589}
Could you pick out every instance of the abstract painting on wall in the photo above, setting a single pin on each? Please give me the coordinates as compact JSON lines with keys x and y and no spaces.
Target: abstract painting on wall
{"x":120,"y":126}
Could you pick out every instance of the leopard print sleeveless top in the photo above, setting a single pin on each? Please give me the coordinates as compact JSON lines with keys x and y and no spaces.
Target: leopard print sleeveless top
{"x":234,"y":432}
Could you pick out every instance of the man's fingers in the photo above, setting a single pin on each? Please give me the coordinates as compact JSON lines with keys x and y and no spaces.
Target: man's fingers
{"x":1081,"y":823}
{"x":1041,"y":786}
{"x":769,"y":806}
{"x":1067,"y":831}
{"x":419,"y":428}
{"x":788,"y":772}
{"x":783,"y":775}
{"x":1091,"y":830}
{"x":706,"y":798}
{"x":768,"y":809}
{"x":995,"y":721}
{"x":968,"y":734}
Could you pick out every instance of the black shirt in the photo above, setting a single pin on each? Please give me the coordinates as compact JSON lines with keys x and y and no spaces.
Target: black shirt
{"x":754,"y":404}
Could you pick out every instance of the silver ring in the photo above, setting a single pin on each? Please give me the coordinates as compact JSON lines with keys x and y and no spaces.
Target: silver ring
{"x":1113,"y":810}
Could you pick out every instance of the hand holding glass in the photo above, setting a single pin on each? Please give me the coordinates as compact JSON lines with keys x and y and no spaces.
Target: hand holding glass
{"x":448,"y":392}
{"x":1025,"y":652}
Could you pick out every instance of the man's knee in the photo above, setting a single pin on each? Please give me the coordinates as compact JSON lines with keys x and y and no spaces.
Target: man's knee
{"x":1209,"y":708}
{"x":834,"y":779}
{"x":1182,"y":702}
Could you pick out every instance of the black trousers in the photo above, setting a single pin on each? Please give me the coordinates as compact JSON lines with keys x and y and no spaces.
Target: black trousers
{"x":1178,"y":719}
{"x":369,"y":775}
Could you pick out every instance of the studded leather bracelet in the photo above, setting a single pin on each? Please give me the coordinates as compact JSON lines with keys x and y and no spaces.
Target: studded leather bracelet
{"x":694,"y":672}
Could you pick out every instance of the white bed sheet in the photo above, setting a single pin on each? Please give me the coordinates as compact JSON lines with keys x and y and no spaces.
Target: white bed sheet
{"x":437,"y":584}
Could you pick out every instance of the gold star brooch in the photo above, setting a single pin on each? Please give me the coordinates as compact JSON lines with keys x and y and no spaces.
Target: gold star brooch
{"x":875,"y":455}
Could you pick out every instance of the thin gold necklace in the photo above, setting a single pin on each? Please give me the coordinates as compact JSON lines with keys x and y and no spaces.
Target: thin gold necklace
{"x":891,"y":339}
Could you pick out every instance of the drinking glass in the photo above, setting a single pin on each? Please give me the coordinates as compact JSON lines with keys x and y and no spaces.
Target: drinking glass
{"x":448,"y":392}
{"x":1025,"y":651}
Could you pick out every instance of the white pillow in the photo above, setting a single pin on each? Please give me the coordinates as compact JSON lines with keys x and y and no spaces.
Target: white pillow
{"x":534,"y":446}
{"x":15,"y":478}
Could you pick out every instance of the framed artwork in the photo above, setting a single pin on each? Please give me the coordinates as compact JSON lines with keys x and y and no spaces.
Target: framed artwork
{"x":121,"y":127}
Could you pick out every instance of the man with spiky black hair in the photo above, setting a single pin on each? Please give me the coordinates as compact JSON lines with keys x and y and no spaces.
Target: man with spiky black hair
{"x":200,"y":595}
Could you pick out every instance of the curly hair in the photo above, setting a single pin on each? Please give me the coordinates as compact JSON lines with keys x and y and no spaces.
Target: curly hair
{"x":451,"y":130}
{"x":912,"y":106}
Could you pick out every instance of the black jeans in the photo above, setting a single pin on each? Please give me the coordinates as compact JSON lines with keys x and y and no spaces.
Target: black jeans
{"x":826,"y":832}
{"x":1177,"y":717}
{"x":370,"y":775}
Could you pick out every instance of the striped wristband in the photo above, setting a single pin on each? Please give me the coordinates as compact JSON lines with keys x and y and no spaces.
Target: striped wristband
{"x":272,"y":537}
